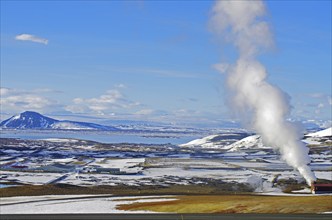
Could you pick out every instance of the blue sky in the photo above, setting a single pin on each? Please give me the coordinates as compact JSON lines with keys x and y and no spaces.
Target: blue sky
{"x":151,"y":60}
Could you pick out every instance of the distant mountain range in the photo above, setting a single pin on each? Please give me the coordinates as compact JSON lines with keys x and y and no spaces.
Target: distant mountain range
{"x":239,"y":142}
{"x":34,"y":120}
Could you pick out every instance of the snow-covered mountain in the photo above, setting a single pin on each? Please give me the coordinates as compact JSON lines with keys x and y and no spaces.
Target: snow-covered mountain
{"x":34,"y":120}
{"x":323,"y":133}
{"x":28,"y":120}
{"x":235,"y":142}
{"x":205,"y":142}
{"x":218,"y":141}
{"x":229,"y":142}
{"x":251,"y":142}
{"x":311,"y":124}
{"x":322,"y":137}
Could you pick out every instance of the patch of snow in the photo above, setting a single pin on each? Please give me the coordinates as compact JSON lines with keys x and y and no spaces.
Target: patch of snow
{"x":69,"y":126}
{"x":306,"y":190}
{"x":324,"y":175}
{"x":16,"y":117}
{"x":199,"y":142}
{"x":118,"y":163}
{"x":235,"y":154}
{"x":311,"y":141}
{"x":63,"y":160}
{"x":218,"y":141}
{"x":8,"y":200}
{"x":31,"y":178}
{"x":74,"y":204}
{"x":60,"y":140}
{"x":323,"y":133}
{"x":251,"y":142}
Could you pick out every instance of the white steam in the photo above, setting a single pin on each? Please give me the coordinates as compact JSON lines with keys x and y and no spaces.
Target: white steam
{"x":240,"y":22}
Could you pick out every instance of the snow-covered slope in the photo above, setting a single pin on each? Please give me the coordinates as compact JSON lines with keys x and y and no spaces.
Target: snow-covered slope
{"x":218,"y":141}
{"x":224,"y":142}
{"x":251,"y":142}
{"x":323,"y":133}
{"x":205,"y":142}
{"x":74,"y":125}
{"x":319,"y":138}
{"x":64,"y":125}
{"x":34,"y":120}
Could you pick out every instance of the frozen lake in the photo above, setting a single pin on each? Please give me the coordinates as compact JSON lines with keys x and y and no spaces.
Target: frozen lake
{"x":104,"y":137}
{"x":5,"y":186}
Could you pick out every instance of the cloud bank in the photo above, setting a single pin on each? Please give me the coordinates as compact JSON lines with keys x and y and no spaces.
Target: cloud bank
{"x":15,"y":101}
{"x":104,"y":104}
{"x":32,"y":38}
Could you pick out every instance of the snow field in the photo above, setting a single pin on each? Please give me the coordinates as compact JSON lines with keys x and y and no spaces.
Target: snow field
{"x":59,"y":204}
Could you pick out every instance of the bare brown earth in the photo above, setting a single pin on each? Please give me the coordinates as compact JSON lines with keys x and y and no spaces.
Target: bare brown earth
{"x":190,"y":198}
{"x":66,"y":189}
{"x":213,"y":188}
{"x":237,"y":204}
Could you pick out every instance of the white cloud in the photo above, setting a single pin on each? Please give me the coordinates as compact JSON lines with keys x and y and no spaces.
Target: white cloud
{"x":222,"y":67}
{"x":145,"y":112}
{"x":121,"y":86}
{"x":317,"y":95}
{"x":169,"y":73}
{"x":26,"y":101}
{"x":14,"y":101}
{"x":324,"y":99}
{"x":104,"y":104}
{"x":4,"y":91}
{"x":318,"y":108}
{"x":320,"y":105}
{"x":45,"y":90}
{"x":29,"y":37}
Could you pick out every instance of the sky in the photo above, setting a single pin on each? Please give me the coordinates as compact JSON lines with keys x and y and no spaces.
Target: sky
{"x":152,"y":60}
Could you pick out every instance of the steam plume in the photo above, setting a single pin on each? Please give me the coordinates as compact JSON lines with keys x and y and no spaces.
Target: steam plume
{"x":240,"y":22}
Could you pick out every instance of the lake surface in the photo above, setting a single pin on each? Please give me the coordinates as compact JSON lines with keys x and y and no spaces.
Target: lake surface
{"x":5,"y":186}
{"x":103,"y":137}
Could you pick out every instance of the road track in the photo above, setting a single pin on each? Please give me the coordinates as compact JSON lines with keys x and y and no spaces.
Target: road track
{"x":170,"y":216}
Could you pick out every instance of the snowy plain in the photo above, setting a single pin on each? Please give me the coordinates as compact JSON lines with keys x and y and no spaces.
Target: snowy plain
{"x":60,"y":204}
{"x":216,"y":157}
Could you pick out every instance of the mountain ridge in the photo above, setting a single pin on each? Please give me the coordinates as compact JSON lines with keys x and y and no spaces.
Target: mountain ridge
{"x":35,"y":120}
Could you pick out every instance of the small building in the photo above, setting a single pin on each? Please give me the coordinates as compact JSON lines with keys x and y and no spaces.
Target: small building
{"x":89,"y":170}
{"x":108,"y":170}
{"x":320,"y":188}
{"x":98,"y":169}
{"x":56,"y":168}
